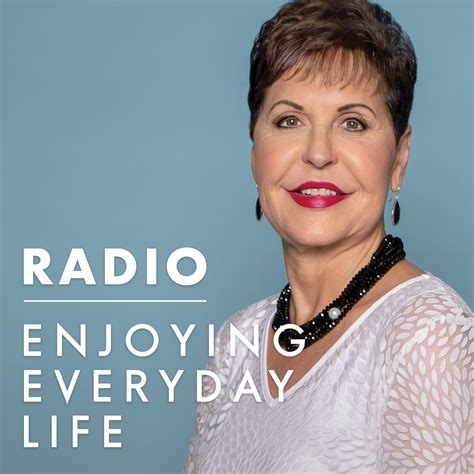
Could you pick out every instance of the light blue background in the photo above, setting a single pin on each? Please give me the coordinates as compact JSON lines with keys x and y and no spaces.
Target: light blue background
{"x":124,"y":124}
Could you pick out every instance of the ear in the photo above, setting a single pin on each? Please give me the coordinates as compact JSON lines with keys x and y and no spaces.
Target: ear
{"x":252,"y":163}
{"x":401,"y":160}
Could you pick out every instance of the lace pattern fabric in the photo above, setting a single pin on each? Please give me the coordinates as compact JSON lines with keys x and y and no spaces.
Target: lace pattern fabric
{"x":393,"y":395}
{"x":427,"y":424}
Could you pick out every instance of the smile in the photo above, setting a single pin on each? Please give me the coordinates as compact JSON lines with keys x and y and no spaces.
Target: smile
{"x":318,"y":194}
{"x":317,"y":201}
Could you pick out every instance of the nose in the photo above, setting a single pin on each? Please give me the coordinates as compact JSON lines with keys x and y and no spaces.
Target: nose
{"x":319,"y":150}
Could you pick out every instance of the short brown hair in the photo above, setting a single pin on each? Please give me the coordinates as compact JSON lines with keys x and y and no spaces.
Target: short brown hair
{"x":359,"y":37}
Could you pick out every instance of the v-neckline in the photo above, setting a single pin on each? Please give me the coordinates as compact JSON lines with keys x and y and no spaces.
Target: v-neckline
{"x":264,"y":346}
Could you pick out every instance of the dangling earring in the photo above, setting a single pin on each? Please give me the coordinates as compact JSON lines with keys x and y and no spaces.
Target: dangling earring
{"x":258,"y":209}
{"x":395,"y":215}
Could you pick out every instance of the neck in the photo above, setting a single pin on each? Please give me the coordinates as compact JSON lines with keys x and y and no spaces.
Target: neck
{"x":318,"y":275}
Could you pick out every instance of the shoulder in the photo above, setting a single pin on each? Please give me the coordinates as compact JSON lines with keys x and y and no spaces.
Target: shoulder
{"x":430,"y":317}
{"x":431,"y":299}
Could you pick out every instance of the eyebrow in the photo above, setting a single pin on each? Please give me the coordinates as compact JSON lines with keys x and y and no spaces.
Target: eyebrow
{"x":340,"y":109}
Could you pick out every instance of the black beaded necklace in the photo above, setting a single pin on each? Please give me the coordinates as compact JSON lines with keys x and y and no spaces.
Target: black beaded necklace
{"x":389,"y":252}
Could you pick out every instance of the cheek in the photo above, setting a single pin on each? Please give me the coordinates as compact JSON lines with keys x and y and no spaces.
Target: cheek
{"x":271,"y":161}
{"x":371,"y":166}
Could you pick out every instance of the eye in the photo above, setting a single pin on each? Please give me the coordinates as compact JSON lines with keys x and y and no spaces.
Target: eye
{"x":355,"y":124}
{"x":289,"y":119}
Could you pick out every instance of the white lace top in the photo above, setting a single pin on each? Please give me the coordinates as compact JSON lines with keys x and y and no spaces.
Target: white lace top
{"x":392,"y":395}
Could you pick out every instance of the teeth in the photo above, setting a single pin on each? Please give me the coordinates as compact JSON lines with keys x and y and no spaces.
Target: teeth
{"x":319,"y":192}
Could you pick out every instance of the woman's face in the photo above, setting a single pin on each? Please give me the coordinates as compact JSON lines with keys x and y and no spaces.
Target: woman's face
{"x":339,"y":135}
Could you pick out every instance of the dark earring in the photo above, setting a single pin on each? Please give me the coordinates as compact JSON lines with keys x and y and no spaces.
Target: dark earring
{"x":396,"y":209}
{"x":258,"y":210}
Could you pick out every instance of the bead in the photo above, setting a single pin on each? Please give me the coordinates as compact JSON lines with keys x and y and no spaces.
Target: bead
{"x":334,"y":313}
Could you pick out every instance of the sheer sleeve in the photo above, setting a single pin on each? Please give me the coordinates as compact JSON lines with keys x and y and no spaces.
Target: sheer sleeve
{"x":219,"y":364}
{"x":428,"y":413}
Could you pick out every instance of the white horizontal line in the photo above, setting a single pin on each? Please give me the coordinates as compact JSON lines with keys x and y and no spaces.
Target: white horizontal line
{"x":114,"y":301}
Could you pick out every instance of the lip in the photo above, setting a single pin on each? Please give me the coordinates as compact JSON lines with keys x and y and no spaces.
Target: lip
{"x":317,"y":202}
{"x":318,"y":184}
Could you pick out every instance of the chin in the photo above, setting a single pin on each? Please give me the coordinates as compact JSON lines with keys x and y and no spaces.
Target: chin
{"x":313,"y":237}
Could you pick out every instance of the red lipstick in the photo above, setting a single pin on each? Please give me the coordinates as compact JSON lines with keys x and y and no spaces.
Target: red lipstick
{"x":317,"y":202}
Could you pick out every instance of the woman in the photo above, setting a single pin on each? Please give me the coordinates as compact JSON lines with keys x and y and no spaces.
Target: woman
{"x":365,"y":359}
